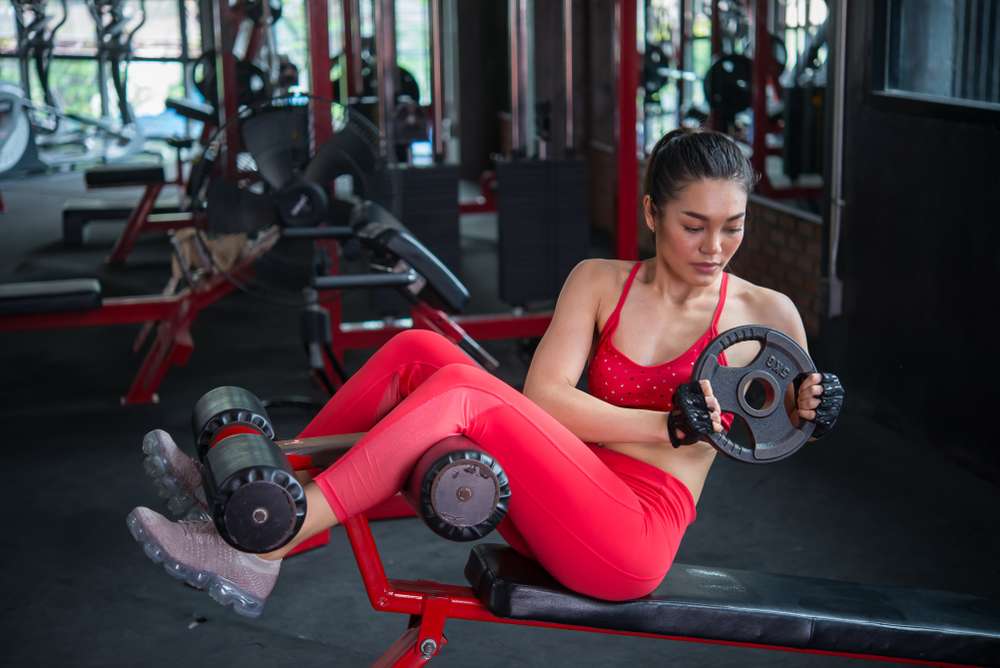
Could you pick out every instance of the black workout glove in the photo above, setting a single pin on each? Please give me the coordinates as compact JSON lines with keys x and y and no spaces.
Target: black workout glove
{"x":690,"y":414}
{"x":830,"y":402}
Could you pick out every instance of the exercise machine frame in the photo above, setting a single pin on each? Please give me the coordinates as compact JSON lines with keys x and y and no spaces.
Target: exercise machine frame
{"x":173,"y":316}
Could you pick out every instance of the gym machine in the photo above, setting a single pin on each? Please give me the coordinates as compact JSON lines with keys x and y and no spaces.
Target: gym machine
{"x":372,"y":333}
{"x":462,"y":493}
{"x":153,"y":212}
{"x":37,"y":136}
{"x":784,"y":121}
{"x":168,"y":317}
{"x":260,"y":73}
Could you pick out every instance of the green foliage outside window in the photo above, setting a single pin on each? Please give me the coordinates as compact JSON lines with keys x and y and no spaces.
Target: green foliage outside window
{"x":74,"y":85}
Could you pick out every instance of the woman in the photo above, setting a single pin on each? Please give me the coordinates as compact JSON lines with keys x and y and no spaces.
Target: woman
{"x":599,"y":496}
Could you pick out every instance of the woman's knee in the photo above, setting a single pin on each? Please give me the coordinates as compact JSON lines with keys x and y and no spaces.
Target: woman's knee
{"x":418,"y":345}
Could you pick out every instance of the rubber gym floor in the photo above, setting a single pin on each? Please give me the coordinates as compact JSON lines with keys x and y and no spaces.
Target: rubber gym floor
{"x":873,"y":503}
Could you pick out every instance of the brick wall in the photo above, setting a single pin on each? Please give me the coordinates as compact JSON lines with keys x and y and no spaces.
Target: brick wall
{"x":782,"y":250}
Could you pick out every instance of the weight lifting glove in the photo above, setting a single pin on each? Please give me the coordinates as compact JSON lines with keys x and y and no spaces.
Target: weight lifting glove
{"x":690,"y":414}
{"x":830,"y":402}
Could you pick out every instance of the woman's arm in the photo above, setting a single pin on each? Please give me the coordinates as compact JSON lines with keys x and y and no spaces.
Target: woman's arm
{"x":779,"y":312}
{"x":562,"y":355}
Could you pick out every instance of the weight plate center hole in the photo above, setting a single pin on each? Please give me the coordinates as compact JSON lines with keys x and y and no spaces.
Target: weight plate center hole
{"x":758,"y":394}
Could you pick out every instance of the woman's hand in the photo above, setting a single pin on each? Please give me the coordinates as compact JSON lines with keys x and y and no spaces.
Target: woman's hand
{"x":808,"y":398}
{"x":696,"y":413}
{"x":819,"y":398}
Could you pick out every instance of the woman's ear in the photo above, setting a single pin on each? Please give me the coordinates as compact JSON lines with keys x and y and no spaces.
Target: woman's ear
{"x":649,"y":213}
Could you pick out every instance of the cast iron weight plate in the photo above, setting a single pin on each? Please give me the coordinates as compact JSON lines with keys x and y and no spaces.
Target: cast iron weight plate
{"x":779,"y":362}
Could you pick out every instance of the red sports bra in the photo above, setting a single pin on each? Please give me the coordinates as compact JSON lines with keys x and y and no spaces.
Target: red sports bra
{"x":618,"y":380}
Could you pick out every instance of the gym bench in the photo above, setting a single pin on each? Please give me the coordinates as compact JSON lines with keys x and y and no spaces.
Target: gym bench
{"x":79,"y":303}
{"x":695,"y":604}
{"x":703,"y":604}
{"x":147,"y":215}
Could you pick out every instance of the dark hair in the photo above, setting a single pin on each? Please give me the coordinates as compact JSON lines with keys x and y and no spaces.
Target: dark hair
{"x":685,"y":155}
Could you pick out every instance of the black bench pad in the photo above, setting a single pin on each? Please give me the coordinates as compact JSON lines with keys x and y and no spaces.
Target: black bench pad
{"x":76,"y":294}
{"x":743,"y":606}
{"x":115,"y":176}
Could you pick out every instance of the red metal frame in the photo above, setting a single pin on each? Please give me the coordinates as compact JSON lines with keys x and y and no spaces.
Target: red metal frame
{"x":352,"y":47}
{"x":373,"y":333}
{"x":431,"y":604}
{"x":627,"y":228}
{"x":142,"y":221}
{"x":173,"y":316}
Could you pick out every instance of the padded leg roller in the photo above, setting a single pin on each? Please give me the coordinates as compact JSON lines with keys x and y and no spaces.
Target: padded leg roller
{"x":459,"y":491}
{"x":254,"y":498}
{"x":227,"y":410}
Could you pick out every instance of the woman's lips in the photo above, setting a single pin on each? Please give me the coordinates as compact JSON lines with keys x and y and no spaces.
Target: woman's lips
{"x":705,"y":267}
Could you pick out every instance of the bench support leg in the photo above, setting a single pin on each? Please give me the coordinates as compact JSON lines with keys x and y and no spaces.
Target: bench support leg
{"x":135,"y":223}
{"x":422,"y":641}
{"x":173,"y":345}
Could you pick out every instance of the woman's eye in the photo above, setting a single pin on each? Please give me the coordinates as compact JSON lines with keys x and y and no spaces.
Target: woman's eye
{"x":735,"y":230}
{"x":693,"y":229}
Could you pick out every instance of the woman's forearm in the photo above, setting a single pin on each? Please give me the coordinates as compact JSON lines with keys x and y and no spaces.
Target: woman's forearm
{"x":596,"y":421}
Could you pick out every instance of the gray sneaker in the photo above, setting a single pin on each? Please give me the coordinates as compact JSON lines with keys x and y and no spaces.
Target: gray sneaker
{"x":177,"y":477}
{"x":194,"y":552}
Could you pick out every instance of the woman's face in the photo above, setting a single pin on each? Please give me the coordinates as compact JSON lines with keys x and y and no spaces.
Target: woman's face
{"x":700,"y":231}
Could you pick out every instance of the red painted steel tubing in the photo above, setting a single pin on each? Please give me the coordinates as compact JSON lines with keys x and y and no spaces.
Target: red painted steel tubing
{"x":627,"y":241}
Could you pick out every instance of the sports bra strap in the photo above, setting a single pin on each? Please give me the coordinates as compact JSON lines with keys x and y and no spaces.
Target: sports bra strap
{"x":612,"y":323}
{"x":722,"y":302}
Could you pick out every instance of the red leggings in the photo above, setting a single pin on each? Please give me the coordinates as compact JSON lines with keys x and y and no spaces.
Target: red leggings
{"x":602,"y":523}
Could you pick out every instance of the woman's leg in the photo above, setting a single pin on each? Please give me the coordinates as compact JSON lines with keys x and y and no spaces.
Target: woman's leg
{"x":583,"y":523}
{"x":390,"y":374}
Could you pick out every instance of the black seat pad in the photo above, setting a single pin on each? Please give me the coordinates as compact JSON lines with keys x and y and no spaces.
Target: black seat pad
{"x":193,"y":110}
{"x":742,"y":606}
{"x":113,"y":176}
{"x":76,"y":294}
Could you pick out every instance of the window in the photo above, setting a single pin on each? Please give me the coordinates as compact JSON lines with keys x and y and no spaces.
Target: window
{"x":291,"y":34}
{"x":8,"y":34}
{"x":160,"y":35}
{"x":944,"y":52}
{"x":413,"y":43}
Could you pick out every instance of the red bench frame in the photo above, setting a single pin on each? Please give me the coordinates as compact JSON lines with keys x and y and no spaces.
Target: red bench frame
{"x":172,"y":315}
{"x":431,"y":604}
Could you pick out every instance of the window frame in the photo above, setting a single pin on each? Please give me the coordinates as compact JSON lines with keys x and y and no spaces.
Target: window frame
{"x":879,"y":96}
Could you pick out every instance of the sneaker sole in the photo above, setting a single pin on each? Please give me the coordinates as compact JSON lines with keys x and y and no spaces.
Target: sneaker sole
{"x":181,"y":502}
{"x":222,"y":590}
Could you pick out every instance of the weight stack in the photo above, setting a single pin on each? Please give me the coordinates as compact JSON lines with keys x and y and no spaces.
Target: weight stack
{"x":425,"y":200}
{"x":543,"y":224}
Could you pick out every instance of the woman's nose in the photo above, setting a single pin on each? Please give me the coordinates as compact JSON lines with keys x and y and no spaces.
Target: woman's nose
{"x":711,"y":244}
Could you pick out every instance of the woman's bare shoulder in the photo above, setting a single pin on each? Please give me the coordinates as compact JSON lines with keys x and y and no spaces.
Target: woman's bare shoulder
{"x":605,"y":268}
{"x":603,"y":276}
{"x":597,"y":281}
{"x":763,"y":305}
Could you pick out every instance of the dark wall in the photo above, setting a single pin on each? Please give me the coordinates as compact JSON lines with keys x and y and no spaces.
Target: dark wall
{"x":483,"y":81}
{"x":920,"y":258}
